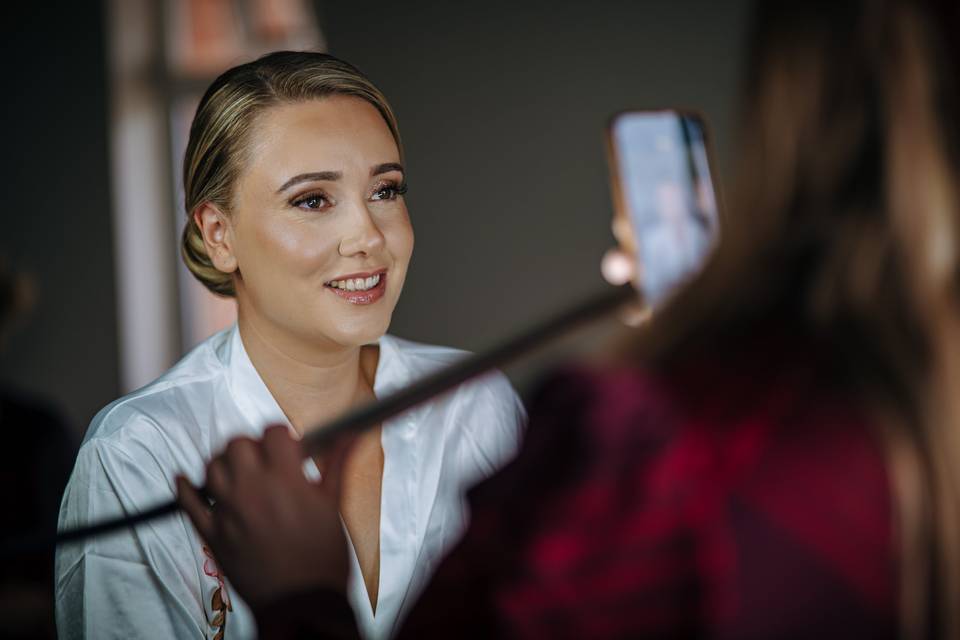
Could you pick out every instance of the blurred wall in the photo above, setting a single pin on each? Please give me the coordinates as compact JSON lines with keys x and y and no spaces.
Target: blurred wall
{"x":502,"y":107}
{"x":55,"y":203}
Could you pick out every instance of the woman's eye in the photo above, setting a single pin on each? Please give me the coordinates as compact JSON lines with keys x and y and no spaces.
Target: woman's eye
{"x":389,"y":192}
{"x":312,"y":202}
{"x":386,"y":193}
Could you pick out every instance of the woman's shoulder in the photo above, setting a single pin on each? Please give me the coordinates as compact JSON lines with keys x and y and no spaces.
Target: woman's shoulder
{"x":419,"y":356}
{"x":611,"y":405}
{"x":629,"y":463}
{"x":417,"y":359}
{"x":765,"y":433}
{"x":739,"y":425}
{"x":164,"y":413}
{"x":483,"y":418}
{"x":704,"y":398}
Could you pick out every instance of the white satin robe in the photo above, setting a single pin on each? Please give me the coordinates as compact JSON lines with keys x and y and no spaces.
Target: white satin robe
{"x":157,"y":582}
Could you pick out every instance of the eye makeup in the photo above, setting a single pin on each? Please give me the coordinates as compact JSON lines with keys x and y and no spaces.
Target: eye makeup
{"x":319,"y":200}
{"x":392,"y":188}
{"x":316,"y":196}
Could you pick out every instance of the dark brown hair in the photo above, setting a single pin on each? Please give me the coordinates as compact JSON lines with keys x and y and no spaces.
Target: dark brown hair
{"x":844,"y":222}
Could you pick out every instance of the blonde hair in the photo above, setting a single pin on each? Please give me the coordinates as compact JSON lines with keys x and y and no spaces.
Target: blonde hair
{"x":219,"y":134}
{"x":845,"y":221}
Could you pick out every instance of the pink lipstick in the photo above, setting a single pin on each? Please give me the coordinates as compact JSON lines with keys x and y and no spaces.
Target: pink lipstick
{"x":360,"y":288}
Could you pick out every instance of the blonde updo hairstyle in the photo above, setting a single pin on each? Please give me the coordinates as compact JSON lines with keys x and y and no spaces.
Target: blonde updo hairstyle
{"x":219,"y":134}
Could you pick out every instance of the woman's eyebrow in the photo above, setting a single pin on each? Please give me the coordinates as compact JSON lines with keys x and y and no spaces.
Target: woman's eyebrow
{"x":386,"y":167}
{"x":309,"y":177}
{"x":336,"y":175}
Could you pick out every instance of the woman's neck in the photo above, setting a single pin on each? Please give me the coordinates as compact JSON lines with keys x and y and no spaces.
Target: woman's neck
{"x":313,"y":383}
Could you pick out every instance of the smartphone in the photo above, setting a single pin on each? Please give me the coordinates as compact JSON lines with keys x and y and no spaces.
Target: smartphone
{"x":662,"y":183}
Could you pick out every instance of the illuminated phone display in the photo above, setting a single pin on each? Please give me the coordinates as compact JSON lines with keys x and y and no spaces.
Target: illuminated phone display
{"x":662,"y":183}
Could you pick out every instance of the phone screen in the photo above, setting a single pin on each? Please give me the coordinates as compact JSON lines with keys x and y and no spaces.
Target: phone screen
{"x":662,"y":183}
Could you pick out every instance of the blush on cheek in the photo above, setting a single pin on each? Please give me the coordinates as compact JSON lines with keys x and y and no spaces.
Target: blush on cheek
{"x":304,"y":250}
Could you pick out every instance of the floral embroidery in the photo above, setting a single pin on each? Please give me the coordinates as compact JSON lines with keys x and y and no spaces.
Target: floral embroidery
{"x":220,"y":602}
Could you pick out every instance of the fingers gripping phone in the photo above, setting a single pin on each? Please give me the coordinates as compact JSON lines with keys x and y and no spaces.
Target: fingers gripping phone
{"x":662,"y":185}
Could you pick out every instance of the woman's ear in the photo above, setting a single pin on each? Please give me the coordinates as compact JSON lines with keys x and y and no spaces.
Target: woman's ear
{"x":217,"y":235}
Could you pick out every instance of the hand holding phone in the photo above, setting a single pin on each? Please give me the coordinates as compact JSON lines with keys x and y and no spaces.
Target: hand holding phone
{"x":664,"y":198}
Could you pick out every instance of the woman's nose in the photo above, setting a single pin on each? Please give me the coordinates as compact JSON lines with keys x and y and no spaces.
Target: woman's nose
{"x":363,"y":234}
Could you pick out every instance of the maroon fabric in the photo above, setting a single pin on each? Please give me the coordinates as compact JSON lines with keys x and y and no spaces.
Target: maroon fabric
{"x":733,"y":497}
{"x":727,"y":499}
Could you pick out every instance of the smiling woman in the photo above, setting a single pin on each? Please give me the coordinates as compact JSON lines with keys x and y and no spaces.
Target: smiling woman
{"x":294,"y":184}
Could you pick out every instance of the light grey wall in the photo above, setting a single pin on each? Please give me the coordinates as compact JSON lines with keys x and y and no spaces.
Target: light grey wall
{"x":502,"y":107}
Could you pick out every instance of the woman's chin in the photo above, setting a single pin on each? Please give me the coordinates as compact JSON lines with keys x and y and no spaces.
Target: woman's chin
{"x":335,"y":326}
{"x":358,"y":334}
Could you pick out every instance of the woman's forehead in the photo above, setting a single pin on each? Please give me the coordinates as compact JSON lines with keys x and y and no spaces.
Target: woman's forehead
{"x":339,"y":133}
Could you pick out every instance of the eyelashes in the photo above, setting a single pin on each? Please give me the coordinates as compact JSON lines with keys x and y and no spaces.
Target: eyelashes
{"x":319,"y":200}
{"x":393,"y":191}
{"x":311,"y":201}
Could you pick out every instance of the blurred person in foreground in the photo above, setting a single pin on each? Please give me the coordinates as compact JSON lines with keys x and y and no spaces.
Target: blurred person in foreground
{"x":778,"y":455}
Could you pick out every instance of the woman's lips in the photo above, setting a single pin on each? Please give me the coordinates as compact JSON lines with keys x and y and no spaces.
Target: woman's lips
{"x":367,"y":296}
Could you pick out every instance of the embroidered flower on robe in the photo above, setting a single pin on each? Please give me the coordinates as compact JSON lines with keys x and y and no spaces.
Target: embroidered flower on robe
{"x":220,"y":601}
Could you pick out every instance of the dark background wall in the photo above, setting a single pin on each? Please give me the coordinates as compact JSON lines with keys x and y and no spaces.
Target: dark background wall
{"x":501,"y":106}
{"x":55,"y":204}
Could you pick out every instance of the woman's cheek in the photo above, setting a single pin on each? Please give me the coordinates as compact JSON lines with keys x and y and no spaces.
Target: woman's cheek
{"x":307,"y":249}
{"x":400,"y":238}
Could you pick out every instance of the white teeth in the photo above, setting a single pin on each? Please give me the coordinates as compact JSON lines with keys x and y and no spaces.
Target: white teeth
{"x":356,"y":284}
